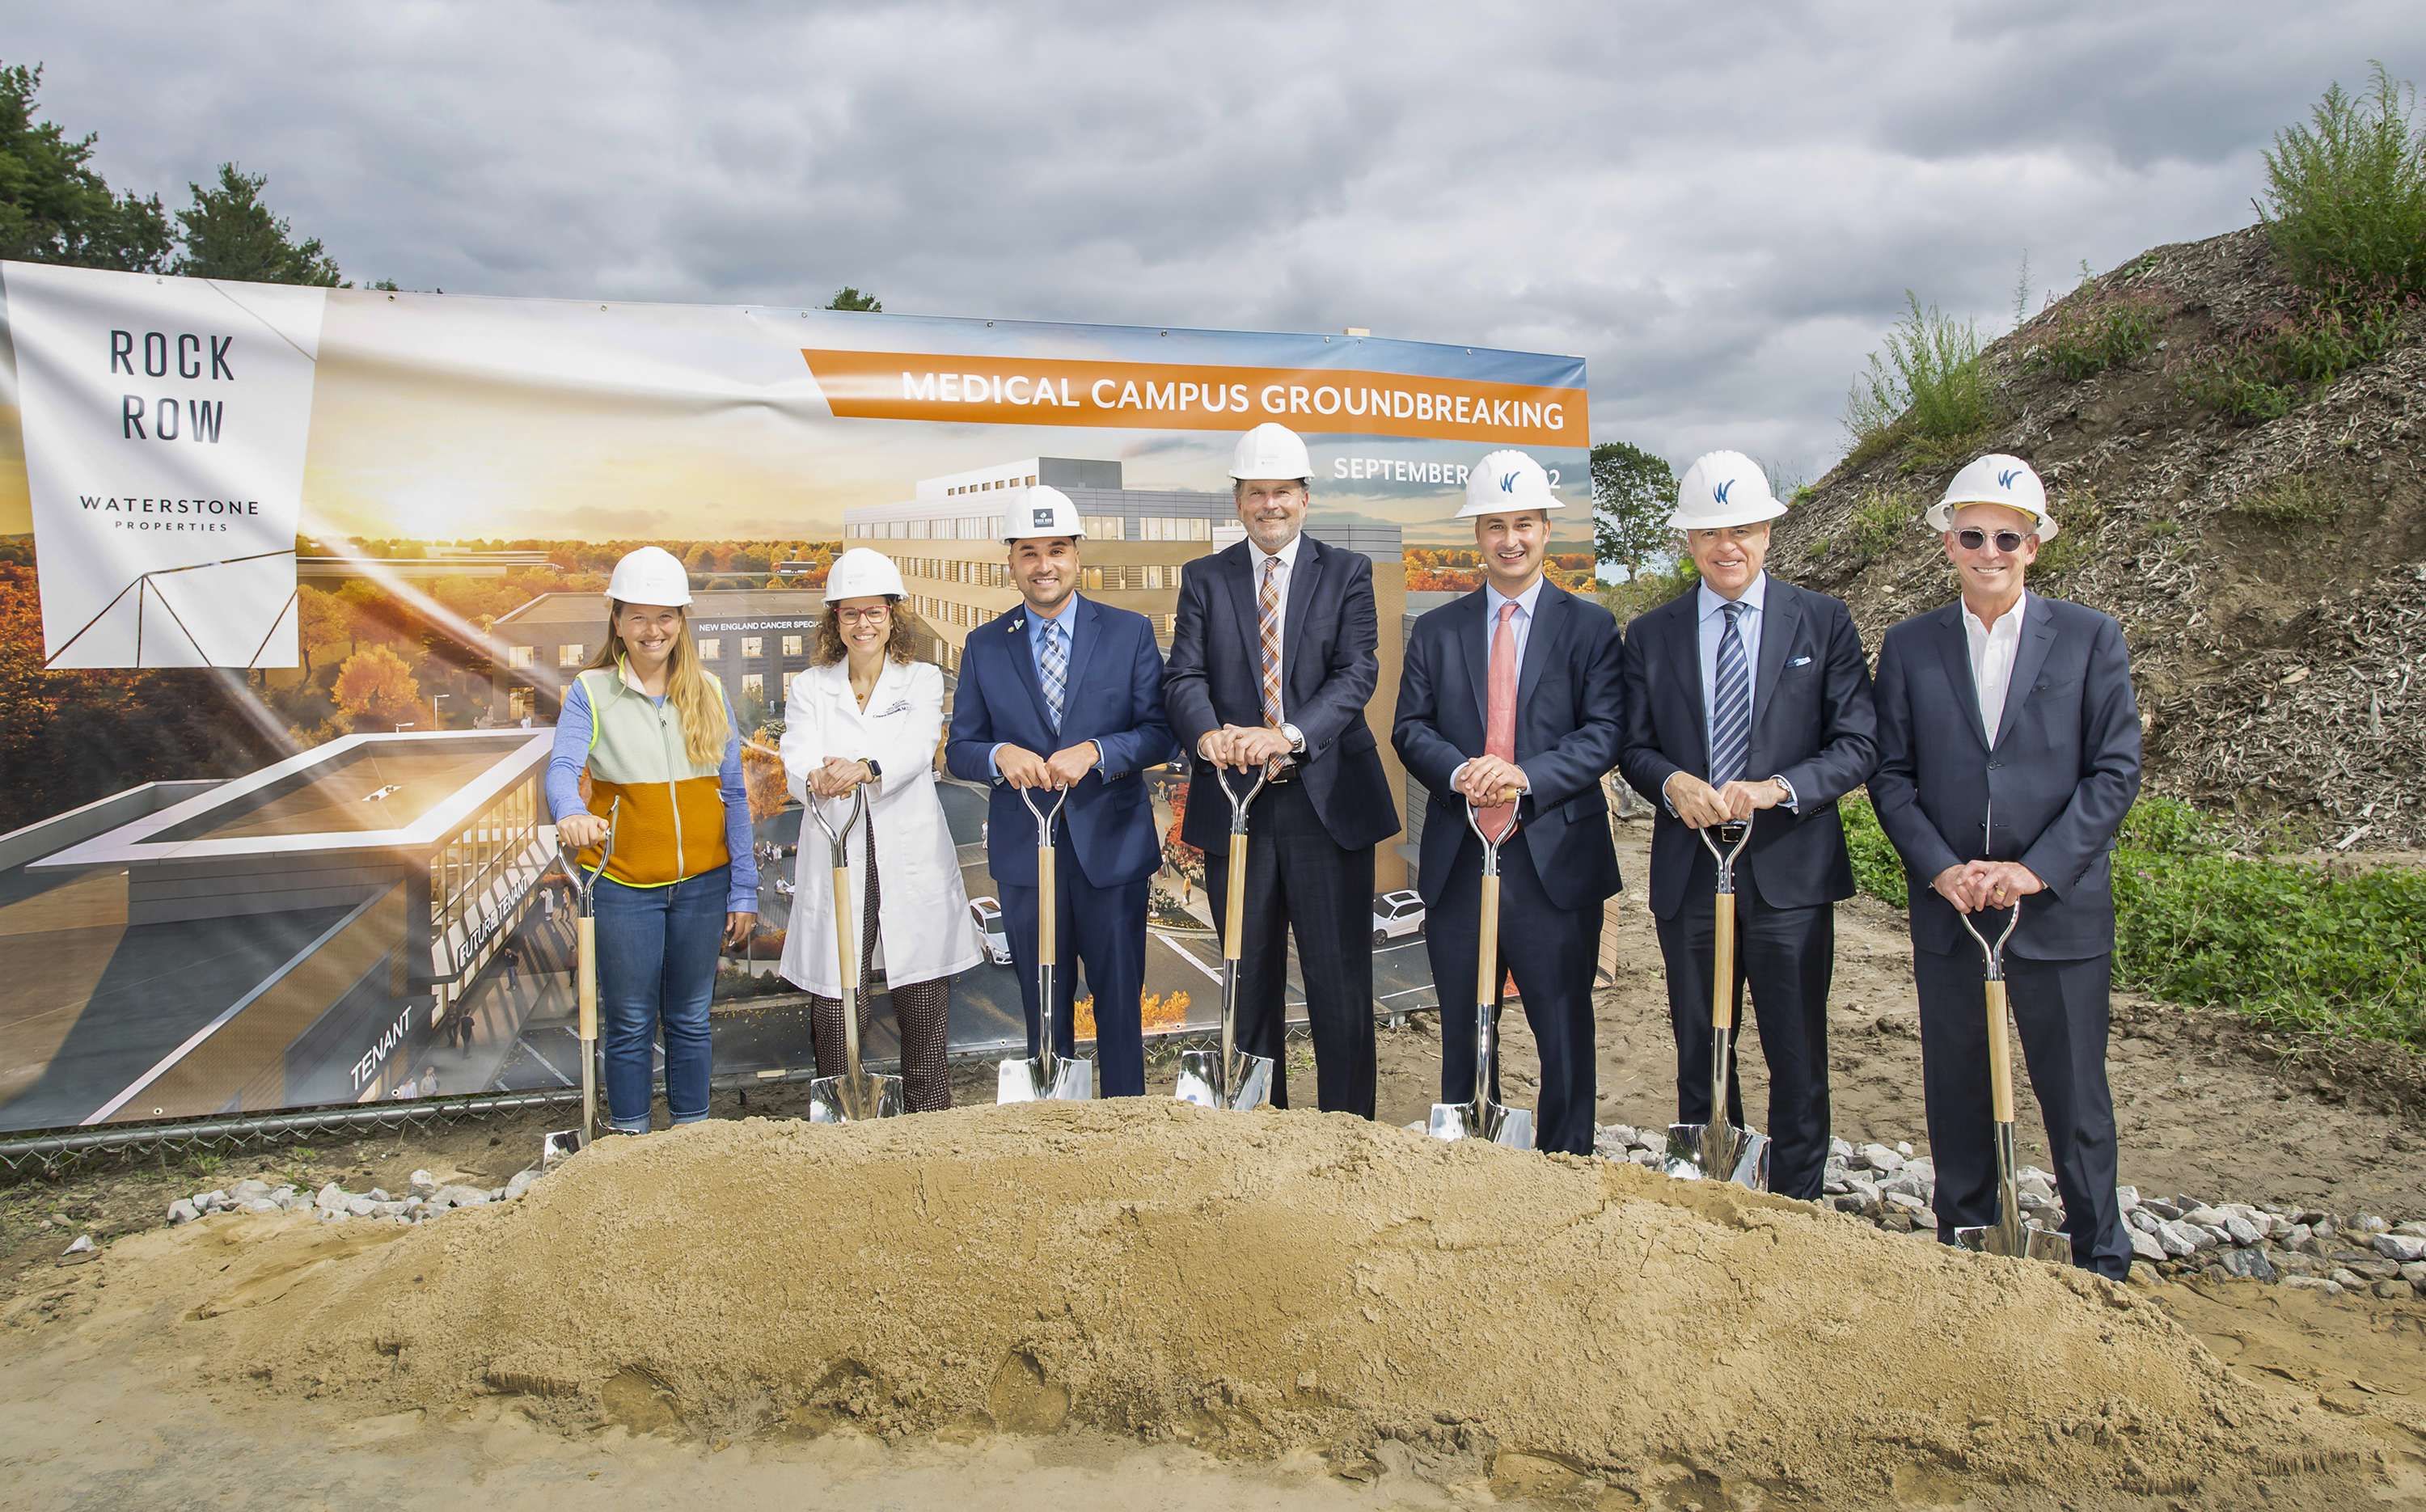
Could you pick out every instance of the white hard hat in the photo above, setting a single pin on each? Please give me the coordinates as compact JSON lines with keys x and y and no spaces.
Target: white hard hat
{"x":1723,"y":489}
{"x":1271,"y":451}
{"x":650,"y":575}
{"x":861,"y":572}
{"x":1043,"y":510}
{"x":1505,"y":482}
{"x":1996,"y":478}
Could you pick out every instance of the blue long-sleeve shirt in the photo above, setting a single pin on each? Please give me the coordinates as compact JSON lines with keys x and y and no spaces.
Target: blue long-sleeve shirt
{"x":571,"y":754}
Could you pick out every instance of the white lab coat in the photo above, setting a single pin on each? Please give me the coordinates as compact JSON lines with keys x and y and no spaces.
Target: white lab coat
{"x":923,"y":917}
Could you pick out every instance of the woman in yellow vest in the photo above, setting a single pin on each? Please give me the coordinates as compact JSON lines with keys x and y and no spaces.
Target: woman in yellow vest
{"x":679,"y":881}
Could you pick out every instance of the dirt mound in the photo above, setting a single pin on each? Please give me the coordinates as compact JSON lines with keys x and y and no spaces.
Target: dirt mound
{"x":2268,"y":575}
{"x":1255,"y":1285}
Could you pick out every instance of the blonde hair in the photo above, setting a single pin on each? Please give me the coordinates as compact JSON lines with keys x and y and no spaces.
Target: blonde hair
{"x":693,"y":693}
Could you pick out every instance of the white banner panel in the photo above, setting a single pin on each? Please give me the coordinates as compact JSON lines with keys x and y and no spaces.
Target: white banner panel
{"x":165,"y":426}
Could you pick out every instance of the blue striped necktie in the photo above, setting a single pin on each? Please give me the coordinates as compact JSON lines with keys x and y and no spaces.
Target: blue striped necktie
{"x":1052,"y":667}
{"x":1730,"y":706}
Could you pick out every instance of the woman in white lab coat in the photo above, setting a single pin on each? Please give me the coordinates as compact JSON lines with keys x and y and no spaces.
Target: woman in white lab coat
{"x":867,"y":714}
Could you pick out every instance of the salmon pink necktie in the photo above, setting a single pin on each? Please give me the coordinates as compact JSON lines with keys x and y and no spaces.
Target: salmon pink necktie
{"x":1499,"y":720}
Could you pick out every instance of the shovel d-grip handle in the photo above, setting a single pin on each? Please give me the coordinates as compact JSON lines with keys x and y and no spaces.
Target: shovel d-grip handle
{"x":1994,"y":954}
{"x":584,"y":887}
{"x":1736,"y":833}
{"x":846,"y":947}
{"x":1233,"y":905}
{"x":1486,"y":964}
{"x":1046,"y":903}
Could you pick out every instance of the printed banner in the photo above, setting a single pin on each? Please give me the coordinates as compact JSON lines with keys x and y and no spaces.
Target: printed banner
{"x":164,"y":427}
{"x":298,"y":579}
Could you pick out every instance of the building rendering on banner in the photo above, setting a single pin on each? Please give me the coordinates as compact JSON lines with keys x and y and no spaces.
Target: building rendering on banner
{"x":319,"y":919}
{"x":946,"y":540}
{"x":753,"y":638}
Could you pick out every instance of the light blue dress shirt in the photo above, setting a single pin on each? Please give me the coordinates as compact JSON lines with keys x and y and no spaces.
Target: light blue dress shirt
{"x":1521,"y":627}
{"x":1068,"y":620}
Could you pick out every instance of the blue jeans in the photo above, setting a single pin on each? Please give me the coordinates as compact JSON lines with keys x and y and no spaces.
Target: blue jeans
{"x":657,"y":949}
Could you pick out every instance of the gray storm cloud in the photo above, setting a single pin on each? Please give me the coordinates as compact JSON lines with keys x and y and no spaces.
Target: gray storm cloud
{"x":1721,"y":213}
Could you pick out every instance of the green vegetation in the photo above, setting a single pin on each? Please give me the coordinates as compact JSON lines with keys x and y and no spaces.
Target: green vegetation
{"x":1883,"y":519}
{"x":1649,"y":589}
{"x":2102,"y":328}
{"x":1923,"y":387}
{"x":2346,"y":194}
{"x":1633,"y":492}
{"x":2075,"y":543}
{"x":847,"y":297}
{"x":2306,"y":946}
{"x":2292,"y":499}
{"x":2346,"y":215}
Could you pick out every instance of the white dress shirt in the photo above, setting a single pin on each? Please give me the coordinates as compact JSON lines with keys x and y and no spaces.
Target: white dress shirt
{"x":1992,"y":649}
{"x":1257,"y":559}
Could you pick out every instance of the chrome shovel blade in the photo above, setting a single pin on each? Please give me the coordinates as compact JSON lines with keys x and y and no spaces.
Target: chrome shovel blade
{"x":848,"y":1099}
{"x":1201,"y":1080}
{"x":1023,"y":1080}
{"x":2017,"y":1239}
{"x":1494,"y":1122}
{"x":1697,"y":1151}
{"x":558,"y":1147}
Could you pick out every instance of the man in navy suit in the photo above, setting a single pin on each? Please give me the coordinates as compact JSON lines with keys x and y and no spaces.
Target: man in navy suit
{"x":2009,"y":746}
{"x":1272,"y":660}
{"x":1517,"y":686}
{"x":1744,"y":697}
{"x":1062,"y":693}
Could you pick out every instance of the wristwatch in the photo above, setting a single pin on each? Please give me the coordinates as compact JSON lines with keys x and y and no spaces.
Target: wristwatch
{"x":874,"y":770}
{"x":1295,"y":738}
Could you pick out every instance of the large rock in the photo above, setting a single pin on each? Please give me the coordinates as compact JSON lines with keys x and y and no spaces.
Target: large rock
{"x":2400,"y":1246}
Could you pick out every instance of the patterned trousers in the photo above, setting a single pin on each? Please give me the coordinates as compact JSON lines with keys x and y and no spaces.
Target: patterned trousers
{"x":922,"y":1009}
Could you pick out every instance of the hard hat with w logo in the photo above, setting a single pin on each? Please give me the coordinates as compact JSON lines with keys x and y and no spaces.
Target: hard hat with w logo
{"x":1996,"y":478}
{"x":1506,"y":482}
{"x":1723,"y":489}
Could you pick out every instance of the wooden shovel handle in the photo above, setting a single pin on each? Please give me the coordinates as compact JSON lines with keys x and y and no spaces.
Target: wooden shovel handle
{"x":846,"y":958}
{"x":1234,"y":907}
{"x":1722,"y":964}
{"x":2001,"y":1055}
{"x":1047,"y":905}
{"x":585,"y":975}
{"x":1486,"y":970}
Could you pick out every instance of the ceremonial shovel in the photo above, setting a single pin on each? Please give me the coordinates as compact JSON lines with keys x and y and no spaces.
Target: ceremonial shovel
{"x":856,"y":1094}
{"x":1717,"y":1150}
{"x":1229,"y":1078}
{"x":2011,"y":1234}
{"x":1048,"y":1074}
{"x":1486,"y":1118}
{"x":564,"y":1142}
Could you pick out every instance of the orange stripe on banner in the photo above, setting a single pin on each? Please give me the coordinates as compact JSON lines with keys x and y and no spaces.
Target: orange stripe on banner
{"x":1048,"y":391}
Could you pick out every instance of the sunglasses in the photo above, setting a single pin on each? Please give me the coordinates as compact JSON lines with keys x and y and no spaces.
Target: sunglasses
{"x":2007,"y":542}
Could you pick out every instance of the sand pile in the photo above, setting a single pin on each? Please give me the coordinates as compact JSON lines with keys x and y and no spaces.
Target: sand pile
{"x":1259,"y":1284}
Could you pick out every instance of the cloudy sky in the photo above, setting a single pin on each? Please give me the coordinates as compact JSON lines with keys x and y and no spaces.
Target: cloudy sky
{"x":1719,"y":207}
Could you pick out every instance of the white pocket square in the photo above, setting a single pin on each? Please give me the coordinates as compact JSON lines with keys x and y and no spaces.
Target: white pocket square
{"x":1800,"y":661}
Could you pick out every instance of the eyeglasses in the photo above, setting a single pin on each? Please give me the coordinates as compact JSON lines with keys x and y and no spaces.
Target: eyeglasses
{"x":2008,"y":541}
{"x":863,"y":617}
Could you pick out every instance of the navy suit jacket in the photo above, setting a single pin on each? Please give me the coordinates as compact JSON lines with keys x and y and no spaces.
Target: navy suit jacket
{"x":1570,"y":718}
{"x":1114,"y":697}
{"x":1813,"y":723}
{"x":2050,"y":794}
{"x":1328,"y":668}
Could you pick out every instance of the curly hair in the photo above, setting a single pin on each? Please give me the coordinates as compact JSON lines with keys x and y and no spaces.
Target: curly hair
{"x":900,"y":645}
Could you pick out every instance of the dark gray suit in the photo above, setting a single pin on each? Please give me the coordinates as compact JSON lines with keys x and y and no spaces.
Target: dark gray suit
{"x":2050,"y":794}
{"x":1814,"y":725}
{"x":1559,"y":866}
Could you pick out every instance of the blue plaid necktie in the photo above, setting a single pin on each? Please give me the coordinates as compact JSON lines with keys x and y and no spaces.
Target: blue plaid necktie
{"x":1730,"y":706}
{"x":1052,"y":667}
